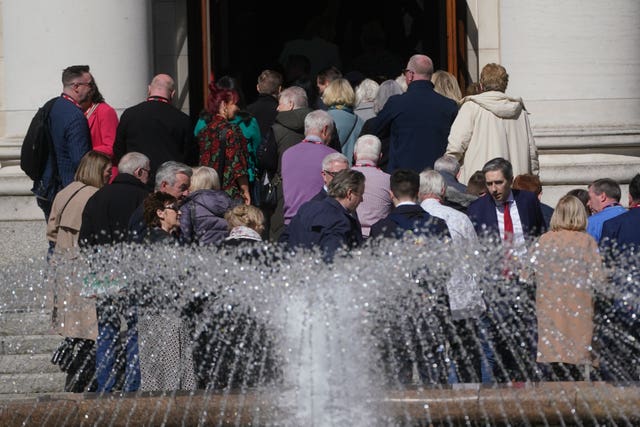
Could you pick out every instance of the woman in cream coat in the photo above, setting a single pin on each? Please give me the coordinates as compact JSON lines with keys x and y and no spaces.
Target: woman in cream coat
{"x":492,"y":124}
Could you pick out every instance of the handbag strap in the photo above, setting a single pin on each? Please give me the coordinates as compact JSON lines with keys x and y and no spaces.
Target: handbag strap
{"x":69,"y":199}
{"x":355,"y":122}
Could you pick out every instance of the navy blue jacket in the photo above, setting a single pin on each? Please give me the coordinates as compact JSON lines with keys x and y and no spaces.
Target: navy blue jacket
{"x":405,"y":217}
{"x":419,"y":120}
{"x":324,"y":223}
{"x":71,"y":140}
{"x":482,"y":211}
{"x":623,"y":230}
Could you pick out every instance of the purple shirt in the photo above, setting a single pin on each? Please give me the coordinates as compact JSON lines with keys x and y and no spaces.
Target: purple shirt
{"x":376,"y":202}
{"x":302,"y":174}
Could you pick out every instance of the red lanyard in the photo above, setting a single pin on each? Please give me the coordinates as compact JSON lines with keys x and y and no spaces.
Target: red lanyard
{"x":158,"y":98}
{"x":313,"y":142}
{"x":68,"y":98}
{"x":363,"y":165}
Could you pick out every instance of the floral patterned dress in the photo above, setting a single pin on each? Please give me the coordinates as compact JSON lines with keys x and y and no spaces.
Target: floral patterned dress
{"x":235,"y":164}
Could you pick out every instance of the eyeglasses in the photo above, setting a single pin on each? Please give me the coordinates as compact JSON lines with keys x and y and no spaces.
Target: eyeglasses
{"x":405,"y":71}
{"x":333,"y":174}
{"x":173,"y":208}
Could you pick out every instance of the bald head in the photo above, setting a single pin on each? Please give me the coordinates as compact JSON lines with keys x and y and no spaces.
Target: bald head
{"x":422,"y":67}
{"x":162,"y":85}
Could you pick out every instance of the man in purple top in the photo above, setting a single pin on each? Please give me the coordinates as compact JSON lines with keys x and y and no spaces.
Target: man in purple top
{"x":377,"y":202}
{"x":302,"y":163}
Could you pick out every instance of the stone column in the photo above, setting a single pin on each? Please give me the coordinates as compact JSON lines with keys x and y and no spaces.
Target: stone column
{"x":577,"y":66}
{"x":39,"y":38}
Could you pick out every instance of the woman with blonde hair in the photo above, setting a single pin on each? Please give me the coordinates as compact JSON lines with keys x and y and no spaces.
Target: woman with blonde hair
{"x":202,"y":221}
{"x":567,"y":267}
{"x":73,"y":316}
{"x":446,"y":85}
{"x":340,"y":99}
{"x":246,"y":224}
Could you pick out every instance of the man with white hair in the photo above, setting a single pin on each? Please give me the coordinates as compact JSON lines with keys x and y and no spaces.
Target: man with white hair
{"x":331,"y":165}
{"x":301,"y":164}
{"x":377,"y":203}
{"x":456,"y":195}
{"x":465,"y":298}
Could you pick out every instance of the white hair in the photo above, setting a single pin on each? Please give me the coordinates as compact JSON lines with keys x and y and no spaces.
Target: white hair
{"x":366,"y":91}
{"x":368,"y":147}
{"x":431,"y":182}
{"x":333,"y":158}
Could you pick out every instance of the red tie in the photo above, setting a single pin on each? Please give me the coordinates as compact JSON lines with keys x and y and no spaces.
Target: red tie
{"x":508,"y":224}
{"x":508,"y":239}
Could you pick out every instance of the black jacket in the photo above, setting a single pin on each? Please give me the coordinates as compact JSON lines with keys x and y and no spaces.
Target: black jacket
{"x":264,"y":110}
{"x":105,"y":218}
{"x":159,"y":131}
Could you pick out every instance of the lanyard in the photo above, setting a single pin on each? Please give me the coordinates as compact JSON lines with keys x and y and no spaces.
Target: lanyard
{"x":158,"y":98}
{"x":68,"y":98}
{"x":365,"y":165}
{"x":311,"y":141}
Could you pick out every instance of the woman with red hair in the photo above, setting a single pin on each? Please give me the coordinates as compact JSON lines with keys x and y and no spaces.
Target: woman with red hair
{"x":222,"y":145}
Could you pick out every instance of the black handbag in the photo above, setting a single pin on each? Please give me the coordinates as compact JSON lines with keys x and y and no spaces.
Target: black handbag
{"x":63,"y":356}
{"x":266,"y":192}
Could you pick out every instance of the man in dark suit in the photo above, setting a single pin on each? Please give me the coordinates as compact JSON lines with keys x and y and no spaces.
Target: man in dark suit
{"x":418,"y":347}
{"x":623,"y":230}
{"x":407,"y":214}
{"x":510,"y":217}
{"x":157,"y":129}
{"x":620,"y":243}
{"x":488,"y":212}
{"x":419,"y":120}
{"x":330,"y":223}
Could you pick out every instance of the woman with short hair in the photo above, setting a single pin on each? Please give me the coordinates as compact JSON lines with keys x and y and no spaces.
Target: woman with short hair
{"x":567,"y":267}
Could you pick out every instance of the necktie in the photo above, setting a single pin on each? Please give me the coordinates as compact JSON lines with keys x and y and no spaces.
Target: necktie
{"x":508,"y":223}
{"x":508,"y":239}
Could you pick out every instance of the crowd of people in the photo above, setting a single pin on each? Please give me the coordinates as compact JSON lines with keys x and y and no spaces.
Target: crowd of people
{"x":368,"y":161}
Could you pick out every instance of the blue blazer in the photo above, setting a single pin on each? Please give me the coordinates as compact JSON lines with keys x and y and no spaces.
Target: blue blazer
{"x":623,"y":229}
{"x":482,"y":212}
{"x":419,"y":121}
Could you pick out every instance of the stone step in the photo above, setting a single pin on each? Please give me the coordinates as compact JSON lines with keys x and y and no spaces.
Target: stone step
{"x":25,"y":323}
{"x":31,"y":383}
{"x":27,"y":364}
{"x":29,"y":344}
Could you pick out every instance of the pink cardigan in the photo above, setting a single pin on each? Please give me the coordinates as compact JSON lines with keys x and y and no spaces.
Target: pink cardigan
{"x":103,"y":121}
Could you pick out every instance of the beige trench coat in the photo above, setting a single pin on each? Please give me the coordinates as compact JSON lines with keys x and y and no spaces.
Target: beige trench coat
{"x":567,"y":267}
{"x":72,"y":315}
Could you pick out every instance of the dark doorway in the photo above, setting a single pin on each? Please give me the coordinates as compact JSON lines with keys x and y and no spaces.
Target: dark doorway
{"x":374,"y":38}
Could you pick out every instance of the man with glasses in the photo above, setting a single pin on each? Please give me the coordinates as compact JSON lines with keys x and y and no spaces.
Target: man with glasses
{"x":419,"y":120}
{"x":69,"y":134}
{"x":331,"y":223}
{"x":331,"y":165}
